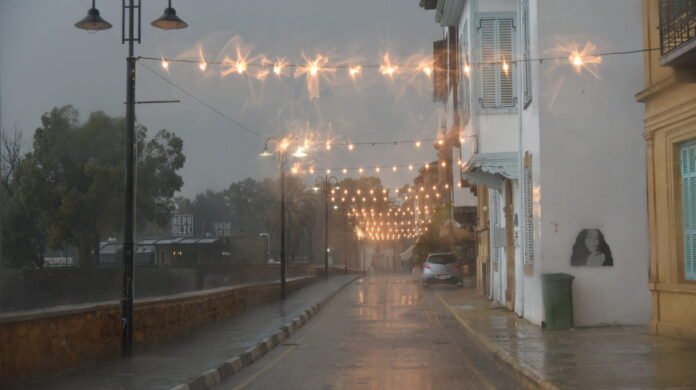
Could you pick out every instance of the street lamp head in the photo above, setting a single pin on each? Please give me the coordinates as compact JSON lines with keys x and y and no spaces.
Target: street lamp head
{"x":266,"y":152}
{"x":315,"y":188}
{"x":169,"y":21}
{"x":299,"y":153}
{"x":93,"y":21}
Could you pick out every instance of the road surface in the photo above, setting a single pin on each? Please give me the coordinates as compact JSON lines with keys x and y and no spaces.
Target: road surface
{"x":381,"y":332}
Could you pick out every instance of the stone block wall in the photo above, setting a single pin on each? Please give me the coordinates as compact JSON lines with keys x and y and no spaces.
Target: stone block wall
{"x":45,"y":342}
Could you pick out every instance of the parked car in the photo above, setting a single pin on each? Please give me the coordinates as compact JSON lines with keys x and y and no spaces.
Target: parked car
{"x":441,"y":268}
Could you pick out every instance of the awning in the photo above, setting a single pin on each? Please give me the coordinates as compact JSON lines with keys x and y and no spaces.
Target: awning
{"x":490,"y":169}
{"x":407,"y":254}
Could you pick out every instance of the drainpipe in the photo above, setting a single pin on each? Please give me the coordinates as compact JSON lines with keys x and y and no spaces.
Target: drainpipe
{"x":519,"y":271}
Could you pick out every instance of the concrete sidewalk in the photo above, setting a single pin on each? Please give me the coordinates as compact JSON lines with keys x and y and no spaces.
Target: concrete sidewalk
{"x":184,"y":361}
{"x":612,"y":357}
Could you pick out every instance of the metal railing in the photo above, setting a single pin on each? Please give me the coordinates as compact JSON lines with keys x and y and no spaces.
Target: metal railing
{"x":677,"y":23}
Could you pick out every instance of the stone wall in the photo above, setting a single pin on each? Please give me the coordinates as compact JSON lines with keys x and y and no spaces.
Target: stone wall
{"x":48,"y":287}
{"x":44,"y":342}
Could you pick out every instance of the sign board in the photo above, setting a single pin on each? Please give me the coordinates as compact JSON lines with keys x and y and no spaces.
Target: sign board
{"x":223,"y":229}
{"x":61,"y":261}
{"x":182,"y":225}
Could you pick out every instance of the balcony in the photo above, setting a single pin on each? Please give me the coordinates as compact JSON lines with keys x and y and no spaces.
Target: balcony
{"x":678,"y":32}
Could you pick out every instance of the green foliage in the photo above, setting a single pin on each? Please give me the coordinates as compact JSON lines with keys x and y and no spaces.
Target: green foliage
{"x":72,"y":183}
{"x":432,"y":241}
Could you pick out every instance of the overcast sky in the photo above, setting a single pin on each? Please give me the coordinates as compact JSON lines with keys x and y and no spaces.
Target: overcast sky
{"x":46,"y":62}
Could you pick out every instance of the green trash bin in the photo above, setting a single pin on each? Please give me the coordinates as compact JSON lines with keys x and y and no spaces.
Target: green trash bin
{"x":557,"y":292}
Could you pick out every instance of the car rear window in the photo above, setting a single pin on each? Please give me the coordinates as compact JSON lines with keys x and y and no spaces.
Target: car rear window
{"x":441,"y":259}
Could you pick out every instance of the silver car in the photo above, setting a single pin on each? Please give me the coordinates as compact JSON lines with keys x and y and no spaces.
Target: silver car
{"x":441,"y":268}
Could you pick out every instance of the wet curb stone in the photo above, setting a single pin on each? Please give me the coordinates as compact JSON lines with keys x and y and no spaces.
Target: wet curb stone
{"x":230,"y":367}
{"x":530,"y":375}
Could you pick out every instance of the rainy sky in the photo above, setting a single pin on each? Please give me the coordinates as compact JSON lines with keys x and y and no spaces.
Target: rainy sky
{"x":46,"y":62}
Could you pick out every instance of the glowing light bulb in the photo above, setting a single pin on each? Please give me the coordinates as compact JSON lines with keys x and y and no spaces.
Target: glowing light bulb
{"x":345,"y":171}
{"x":377,"y":169}
{"x":386,"y":68}
{"x":202,"y":66}
{"x":360,"y":170}
{"x":328,"y":146}
{"x":467,"y":69}
{"x":328,"y":171}
{"x":444,"y":164}
{"x":354,"y":71}
{"x":165,"y":64}
{"x":394,"y":168}
{"x":418,"y":144}
{"x":351,"y":146}
{"x":311,"y":171}
{"x":410,"y":168}
{"x":241,"y":66}
{"x":506,"y":67}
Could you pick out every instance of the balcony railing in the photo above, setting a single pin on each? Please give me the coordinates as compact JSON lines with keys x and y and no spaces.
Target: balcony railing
{"x":677,"y":28}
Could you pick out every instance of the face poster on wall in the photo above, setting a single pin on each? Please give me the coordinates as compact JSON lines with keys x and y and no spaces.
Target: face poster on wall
{"x":591,"y":250}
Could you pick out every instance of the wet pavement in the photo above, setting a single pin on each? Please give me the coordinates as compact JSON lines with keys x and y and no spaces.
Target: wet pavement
{"x":176,"y":362}
{"x":381,"y":332}
{"x":612,"y":357}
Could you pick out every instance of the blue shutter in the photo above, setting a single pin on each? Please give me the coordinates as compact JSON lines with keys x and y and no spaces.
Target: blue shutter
{"x":688,"y":173}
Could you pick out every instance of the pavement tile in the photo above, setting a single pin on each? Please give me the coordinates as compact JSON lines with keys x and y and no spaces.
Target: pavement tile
{"x":608,"y":357}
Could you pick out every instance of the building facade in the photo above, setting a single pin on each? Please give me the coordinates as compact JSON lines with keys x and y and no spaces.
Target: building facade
{"x":670,"y":141}
{"x":551,"y":150}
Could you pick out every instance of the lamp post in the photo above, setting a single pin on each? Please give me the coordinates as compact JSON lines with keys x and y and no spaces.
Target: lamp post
{"x":282,"y":155}
{"x":326,"y":181}
{"x":94,"y":22}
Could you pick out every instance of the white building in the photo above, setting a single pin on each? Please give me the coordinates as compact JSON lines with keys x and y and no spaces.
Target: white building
{"x":577,"y":183}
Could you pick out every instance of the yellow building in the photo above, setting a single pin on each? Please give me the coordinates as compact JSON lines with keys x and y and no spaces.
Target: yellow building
{"x":670,"y":134}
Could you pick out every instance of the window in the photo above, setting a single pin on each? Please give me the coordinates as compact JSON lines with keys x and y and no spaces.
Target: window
{"x":526,"y":55}
{"x":464,"y":64}
{"x":678,"y":32}
{"x":528,"y":211}
{"x":496,"y":40}
{"x":688,"y":176}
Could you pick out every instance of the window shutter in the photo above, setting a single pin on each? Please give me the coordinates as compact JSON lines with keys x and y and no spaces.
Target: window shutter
{"x":505,"y":27}
{"x":497,"y":88}
{"x":464,"y":82}
{"x":440,"y":71}
{"x":688,"y":170}
{"x":528,"y":212}
{"x":488,"y":67}
{"x":526,"y":55}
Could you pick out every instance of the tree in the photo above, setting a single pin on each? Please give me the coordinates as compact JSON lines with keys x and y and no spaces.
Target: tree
{"x":21,"y":241}
{"x":73,"y":178}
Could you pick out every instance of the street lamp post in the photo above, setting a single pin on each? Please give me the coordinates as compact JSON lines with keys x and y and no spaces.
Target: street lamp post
{"x":326,"y":182}
{"x":282,"y":155}
{"x":94,"y":22}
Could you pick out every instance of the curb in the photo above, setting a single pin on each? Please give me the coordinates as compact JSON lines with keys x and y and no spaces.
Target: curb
{"x":500,"y":354}
{"x":230,"y":367}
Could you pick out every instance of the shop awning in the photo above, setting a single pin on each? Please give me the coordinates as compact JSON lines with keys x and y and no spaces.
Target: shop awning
{"x":407,"y":254}
{"x":491,"y":169}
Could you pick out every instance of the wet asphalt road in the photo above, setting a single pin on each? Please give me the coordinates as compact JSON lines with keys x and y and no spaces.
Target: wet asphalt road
{"x":381,"y":332}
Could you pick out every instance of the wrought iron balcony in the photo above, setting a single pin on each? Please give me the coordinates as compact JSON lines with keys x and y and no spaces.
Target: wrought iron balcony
{"x":678,"y":32}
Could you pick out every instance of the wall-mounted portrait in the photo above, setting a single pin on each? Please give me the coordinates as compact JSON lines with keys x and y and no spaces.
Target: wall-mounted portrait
{"x":591,"y":250}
